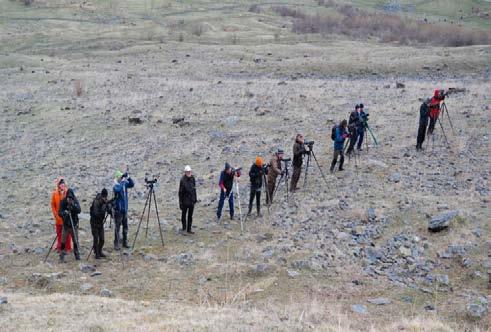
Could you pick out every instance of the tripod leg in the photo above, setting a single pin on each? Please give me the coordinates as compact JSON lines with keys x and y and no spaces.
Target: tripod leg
{"x":445,"y":110}
{"x":74,"y":234}
{"x":240,"y":209}
{"x":50,"y":248}
{"x":320,"y":169}
{"x":306,"y":171}
{"x":148,"y":211}
{"x":139,"y":224}
{"x":158,"y":218}
{"x":443,"y":131}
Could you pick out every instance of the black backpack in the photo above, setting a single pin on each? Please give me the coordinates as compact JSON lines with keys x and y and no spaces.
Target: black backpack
{"x":333,"y":133}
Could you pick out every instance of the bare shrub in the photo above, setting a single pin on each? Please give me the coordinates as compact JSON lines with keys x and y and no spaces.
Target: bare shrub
{"x":255,"y":8}
{"x":287,"y":11}
{"x":78,"y":87}
{"x":198,"y":29}
{"x":358,"y":23}
{"x":27,"y":2}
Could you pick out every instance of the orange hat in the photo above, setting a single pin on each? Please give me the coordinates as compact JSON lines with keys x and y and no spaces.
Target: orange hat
{"x":259,"y":161}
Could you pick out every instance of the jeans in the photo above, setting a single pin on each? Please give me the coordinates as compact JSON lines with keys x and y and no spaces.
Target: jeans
{"x":120,"y":219}
{"x":221,"y":202}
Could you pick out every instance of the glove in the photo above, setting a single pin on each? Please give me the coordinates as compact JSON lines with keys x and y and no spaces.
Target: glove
{"x":346,"y":135}
{"x":65,"y":213}
{"x":125,"y":175}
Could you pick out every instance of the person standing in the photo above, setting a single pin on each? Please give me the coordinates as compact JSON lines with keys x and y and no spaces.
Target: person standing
{"x":56,"y":197}
{"x":256,"y":174}
{"x":122,"y":183}
{"x":298,"y":151}
{"x":98,"y":211}
{"x":361,"y":126}
{"x":424,"y":113}
{"x":353,"y":123}
{"x":340,"y":135}
{"x":69,"y":211}
{"x":273,"y":172}
{"x":226,"y":184}
{"x":187,"y":199}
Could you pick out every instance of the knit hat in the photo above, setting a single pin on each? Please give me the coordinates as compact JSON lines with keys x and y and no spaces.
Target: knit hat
{"x":259,"y":161}
{"x":357,"y":106}
{"x":118,"y":174}
{"x":104,"y":192}
{"x":227,"y":166}
{"x":280,"y":151}
{"x":361,"y":106}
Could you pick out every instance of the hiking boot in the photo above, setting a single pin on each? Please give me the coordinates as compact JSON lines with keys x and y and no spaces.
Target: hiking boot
{"x":117,"y":247}
{"x":97,"y":257}
{"x":259,"y":215}
{"x":249,"y":213}
{"x":77,"y":256}
{"x":190,"y":232}
{"x":62,"y":257}
{"x":231,"y":217}
{"x":102,"y":255}
{"x":125,"y":245}
{"x":340,"y":169}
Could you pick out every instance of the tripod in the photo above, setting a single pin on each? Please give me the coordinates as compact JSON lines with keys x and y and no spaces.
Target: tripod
{"x":445,"y":110}
{"x":50,"y":248}
{"x":311,"y":154}
{"x":238,"y":199}
{"x":285,"y":179}
{"x":148,"y":203}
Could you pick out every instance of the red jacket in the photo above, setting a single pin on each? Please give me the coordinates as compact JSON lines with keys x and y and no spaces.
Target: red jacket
{"x":435,"y":104}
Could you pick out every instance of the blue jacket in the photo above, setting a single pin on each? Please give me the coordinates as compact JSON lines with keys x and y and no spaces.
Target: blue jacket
{"x":339,"y":141}
{"x":121,"y":195}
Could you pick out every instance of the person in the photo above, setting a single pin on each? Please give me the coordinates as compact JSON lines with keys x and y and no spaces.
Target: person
{"x":69,"y":211}
{"x":256,"y":174}
{"x":424,"y":113}
{"x":56,"y":197}
{"x":100,"y":206}
{"x":187,"y":199}
{"x":340,"y":135}
{"x":273,"y":172}
{"x":298,"y":151}
{"x":438,"y":97}
{"x":361,"y":126}
{"x":353,"y":123}
{"x":226,"y":184}
{"x":122,"y":183}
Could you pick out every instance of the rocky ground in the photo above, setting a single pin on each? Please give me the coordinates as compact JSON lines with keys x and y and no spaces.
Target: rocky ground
{"x":352,"y":254}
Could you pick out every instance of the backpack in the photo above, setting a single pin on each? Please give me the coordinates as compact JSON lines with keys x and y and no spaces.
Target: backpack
{"x":333,"y":133}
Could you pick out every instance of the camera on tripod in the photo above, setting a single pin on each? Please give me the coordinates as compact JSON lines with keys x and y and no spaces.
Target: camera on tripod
{"x":286,"y":160}
{"x":150,"y":183}
{"x":309,"y":143}
{"x":236,"y":171}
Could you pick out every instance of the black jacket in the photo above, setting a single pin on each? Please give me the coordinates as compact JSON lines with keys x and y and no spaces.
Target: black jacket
{"x":354,"y":119}
{"x":424,"y":113}
{"x":69,"y":208}
{"x":298,"y":152}
{"x":187,"y":191}
{"x":98,"y":210}
{"x":256,"y":176}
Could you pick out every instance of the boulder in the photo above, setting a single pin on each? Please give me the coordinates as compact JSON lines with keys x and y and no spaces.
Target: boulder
{"x":477,"y":308}
{"x":379,"y":301}
{"x":105,"y":293}
{"x":441,"y":221}
{"x":359,"y":309}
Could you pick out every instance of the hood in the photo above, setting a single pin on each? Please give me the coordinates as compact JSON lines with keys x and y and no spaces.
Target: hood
{"x":70,"y":193}
{"x":437,"y":93}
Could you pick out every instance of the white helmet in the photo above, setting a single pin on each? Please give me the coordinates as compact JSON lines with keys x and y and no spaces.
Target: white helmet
{"x":187,"y":168}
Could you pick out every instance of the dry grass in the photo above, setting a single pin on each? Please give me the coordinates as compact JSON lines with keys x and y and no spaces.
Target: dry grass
{"x":361,"y":24}
{"x":78,"y":88}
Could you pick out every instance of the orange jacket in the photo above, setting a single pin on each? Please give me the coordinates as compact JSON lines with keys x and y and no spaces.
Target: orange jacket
{"x":56,"y":198}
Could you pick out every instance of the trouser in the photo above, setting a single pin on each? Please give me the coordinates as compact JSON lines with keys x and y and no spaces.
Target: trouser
{"x":295,"y":177}
{"x":221,"y":203}
{"x":68,"y":243}
{"x":360,"y":134}
{"x":120,"y":219}
{"x":421,"y":134}
{"x":271,"y":187}
{"x":255,"y":194}
{"x":352,"y":141}
{"x":97,"y":228}
{"x":187,"y":211}
{"x":335,"y":159}
{"x":68,"y":231}
{"x":431,"y":127}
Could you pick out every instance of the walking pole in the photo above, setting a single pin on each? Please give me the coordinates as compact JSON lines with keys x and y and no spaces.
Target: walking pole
{"x":51,"y":247}
{"x":238,"y":199}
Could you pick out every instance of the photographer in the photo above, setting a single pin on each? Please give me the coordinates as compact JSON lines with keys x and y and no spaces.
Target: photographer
{"x":424,"y":113}
{"x":273,"y":173}
{"x":122,"y":183}
{"x":187,"y":199}
{"x":438,"y":97}
{"x":69,"y":211}
{"x":100,"y":206}
{"x":56,"y":197}
{"x":361,"y":125}
{"x":353,"y":123}
{"x":226,"y":184}
{"x":299,"y":150}
{"x":340,"y":135}
{"x":256,"y":176}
